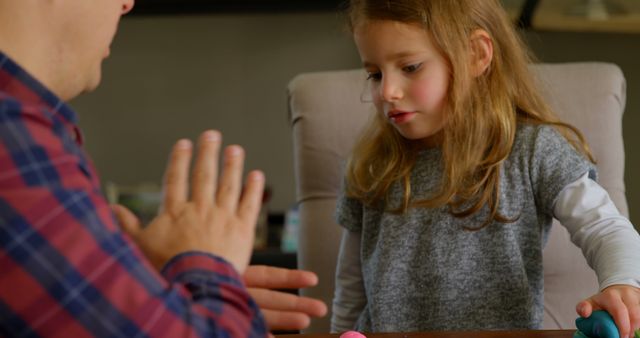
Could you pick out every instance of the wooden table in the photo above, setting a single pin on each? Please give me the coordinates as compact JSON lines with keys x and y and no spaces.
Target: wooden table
{"x":462,"y":334}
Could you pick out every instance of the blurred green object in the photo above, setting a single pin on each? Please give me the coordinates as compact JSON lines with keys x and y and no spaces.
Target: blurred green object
{"x":142,"y":199}
{"x":637,"y":333}
{"x":289,"y":241}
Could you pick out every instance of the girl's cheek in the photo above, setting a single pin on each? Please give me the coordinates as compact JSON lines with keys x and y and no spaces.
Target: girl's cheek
{"x":428,"y":95}
{"x":421,"y":94}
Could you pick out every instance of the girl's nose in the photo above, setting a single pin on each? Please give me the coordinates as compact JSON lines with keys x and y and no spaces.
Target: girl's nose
{"x":390,"y":89}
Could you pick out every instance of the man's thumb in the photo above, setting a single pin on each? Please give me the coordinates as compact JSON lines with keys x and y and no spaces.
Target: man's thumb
{"x":127,"y":219}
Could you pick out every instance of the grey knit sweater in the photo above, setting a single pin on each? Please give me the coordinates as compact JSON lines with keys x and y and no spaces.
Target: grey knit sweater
{"x":423,"y":271}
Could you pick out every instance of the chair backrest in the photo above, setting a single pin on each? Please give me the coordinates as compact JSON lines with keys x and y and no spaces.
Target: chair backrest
{"x":327,"y":114}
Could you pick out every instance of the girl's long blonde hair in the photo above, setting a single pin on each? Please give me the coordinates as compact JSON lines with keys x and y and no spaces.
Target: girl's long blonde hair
{"x":481,"y":112}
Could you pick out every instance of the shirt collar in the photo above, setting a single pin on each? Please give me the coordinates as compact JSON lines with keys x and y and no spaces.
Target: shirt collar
{"x":16,"y":82}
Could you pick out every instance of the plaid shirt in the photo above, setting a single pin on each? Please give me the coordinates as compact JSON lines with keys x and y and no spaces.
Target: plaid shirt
{"x":66,"y":270}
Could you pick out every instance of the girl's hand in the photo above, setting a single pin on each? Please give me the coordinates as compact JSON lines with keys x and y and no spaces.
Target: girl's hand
{"x":623,"y":304}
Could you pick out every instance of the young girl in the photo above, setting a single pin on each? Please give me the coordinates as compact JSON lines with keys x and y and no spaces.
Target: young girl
{"x":450,"y":193}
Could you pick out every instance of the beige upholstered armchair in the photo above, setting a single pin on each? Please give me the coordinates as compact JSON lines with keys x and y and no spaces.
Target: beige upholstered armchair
{"x":326,"y":115}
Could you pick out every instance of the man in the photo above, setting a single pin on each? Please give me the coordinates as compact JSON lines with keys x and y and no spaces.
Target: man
{"x":66,"y":268}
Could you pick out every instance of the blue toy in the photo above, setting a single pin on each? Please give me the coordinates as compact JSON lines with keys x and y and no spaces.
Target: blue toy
{"x":599,"y":325}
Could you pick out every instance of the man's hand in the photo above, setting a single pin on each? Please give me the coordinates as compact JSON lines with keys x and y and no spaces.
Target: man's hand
{"x":218,"y":217}
{"x":282,"y":310}
{"x":623,"y":304}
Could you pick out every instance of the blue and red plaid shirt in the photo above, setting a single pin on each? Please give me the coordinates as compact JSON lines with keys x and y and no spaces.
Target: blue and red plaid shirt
{"x":66,"y":269}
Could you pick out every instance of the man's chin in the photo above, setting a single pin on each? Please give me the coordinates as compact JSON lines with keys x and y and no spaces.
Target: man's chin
{"x":78,"y":86}
{"x":93,"y":83}
{"x":87,"y":88}
{"x":91,"y":88}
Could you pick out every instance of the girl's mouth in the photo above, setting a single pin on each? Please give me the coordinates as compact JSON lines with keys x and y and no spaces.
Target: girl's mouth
{"x":398,"y":117}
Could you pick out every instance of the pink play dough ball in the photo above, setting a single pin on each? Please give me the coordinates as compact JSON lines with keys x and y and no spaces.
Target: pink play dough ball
{"x":352,"y":334}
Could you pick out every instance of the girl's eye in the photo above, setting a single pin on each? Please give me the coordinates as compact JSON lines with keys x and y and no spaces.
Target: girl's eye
{"x":374,"y":76}
{"x":412,"y":68}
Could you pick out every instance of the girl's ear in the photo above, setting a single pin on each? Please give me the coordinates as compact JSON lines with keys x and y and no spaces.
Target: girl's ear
{"x":481,"y":52}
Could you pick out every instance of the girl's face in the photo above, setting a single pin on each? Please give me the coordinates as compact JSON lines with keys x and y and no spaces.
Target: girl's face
{"x":408,"y":77}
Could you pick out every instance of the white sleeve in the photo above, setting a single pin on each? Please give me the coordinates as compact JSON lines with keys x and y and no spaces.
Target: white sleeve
{"x":608,"y":240}
{"x":349,"y":298}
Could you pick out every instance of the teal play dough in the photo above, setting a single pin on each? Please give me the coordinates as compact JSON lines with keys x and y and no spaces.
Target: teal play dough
{"x":579,"y":334}
{"x":599,"y":325}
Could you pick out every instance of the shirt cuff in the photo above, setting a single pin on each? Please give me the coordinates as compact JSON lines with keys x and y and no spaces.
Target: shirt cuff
{"x":199,"y":262}
{"x":622,"y":281}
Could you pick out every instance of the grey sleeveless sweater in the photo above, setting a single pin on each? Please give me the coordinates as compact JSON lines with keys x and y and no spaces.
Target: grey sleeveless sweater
{"x":423,"y":271}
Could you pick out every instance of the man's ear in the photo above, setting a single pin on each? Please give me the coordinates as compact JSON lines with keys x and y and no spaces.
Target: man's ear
{"x":481,"y":52}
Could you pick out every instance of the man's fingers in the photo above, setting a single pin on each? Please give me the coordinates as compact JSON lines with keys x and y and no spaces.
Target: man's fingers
{"x":251,"y":200}
{"x":175,"y":186}
{"x":127,"y":219}
{"x":205,"y":170}
{"x":287,"y":302}
{"x":271,"y":277}
{"x":231,"y":180}
{"x":278,"y":320}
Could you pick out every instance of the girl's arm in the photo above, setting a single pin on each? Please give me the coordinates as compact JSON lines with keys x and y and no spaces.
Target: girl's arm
{"x":608,"y":240}
{"x":349,"y":299}
{"x":611,"y":246}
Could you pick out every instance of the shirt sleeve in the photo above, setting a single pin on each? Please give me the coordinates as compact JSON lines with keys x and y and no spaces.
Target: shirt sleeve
{"x":554,"y":164}
{"x":349,"y":298}
{"x":349,"y":211}
{"x":608,"y":240}
{"x":68,"y":270}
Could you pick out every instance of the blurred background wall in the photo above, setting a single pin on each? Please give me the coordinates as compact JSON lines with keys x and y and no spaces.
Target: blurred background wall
{"x":170,"y":77}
